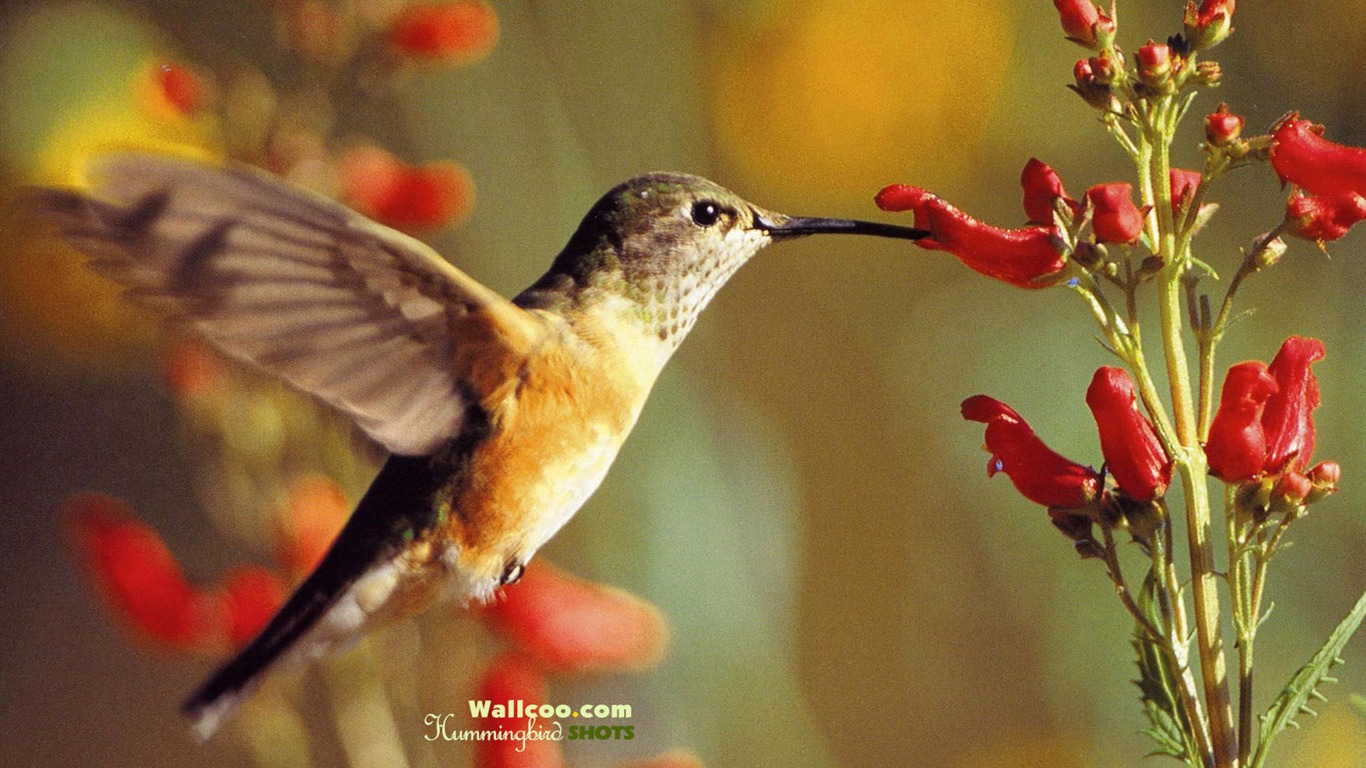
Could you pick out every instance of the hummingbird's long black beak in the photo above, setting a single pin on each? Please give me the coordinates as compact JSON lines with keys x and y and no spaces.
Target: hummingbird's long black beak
{"x":780,"y":227}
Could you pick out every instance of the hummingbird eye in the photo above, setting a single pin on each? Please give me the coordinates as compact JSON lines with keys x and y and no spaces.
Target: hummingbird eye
{"x":706,"y":212}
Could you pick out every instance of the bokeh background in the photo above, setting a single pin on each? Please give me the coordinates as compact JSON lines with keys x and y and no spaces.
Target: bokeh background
{"x":801,"y":498}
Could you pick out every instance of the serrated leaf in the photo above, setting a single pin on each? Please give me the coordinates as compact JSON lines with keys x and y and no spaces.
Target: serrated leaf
{"x":1157,"y":684}
{"x":1295,"y":698}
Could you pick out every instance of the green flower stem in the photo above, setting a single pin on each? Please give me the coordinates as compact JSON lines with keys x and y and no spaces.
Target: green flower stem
{"x":1174,"y":643}
{"x":1189,"y":461}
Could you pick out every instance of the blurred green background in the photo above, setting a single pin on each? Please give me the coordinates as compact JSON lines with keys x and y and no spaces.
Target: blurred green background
{"x":800,"y":497}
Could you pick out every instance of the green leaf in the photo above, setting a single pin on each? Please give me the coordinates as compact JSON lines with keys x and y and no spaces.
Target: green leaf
{"x":1304,"y":685}
{"x":1158,"y":687}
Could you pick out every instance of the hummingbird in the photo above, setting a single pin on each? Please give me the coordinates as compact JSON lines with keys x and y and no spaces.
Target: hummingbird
{"x":500,"y":417}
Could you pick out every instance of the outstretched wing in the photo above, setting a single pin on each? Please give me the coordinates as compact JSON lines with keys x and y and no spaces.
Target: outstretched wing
{"x":368,"y":320}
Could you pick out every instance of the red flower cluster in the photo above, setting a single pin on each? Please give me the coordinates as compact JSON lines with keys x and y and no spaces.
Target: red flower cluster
{"x":406,"y":197}
{"x":1133,"y":455}
{"x":141,"y":581}
{"x":1265,"y":422}
{"x":1029,"y":256}
{"x":1334,"y":175}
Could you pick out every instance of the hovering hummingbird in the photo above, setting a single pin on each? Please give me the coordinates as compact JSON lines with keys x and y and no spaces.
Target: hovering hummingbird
{"x":500,"y":417}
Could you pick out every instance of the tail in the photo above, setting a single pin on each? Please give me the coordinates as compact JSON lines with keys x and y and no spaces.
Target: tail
{"x":397,"y":505}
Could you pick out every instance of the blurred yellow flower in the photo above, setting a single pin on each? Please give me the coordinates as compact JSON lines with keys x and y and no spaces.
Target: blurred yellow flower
{"x":845,"y":97}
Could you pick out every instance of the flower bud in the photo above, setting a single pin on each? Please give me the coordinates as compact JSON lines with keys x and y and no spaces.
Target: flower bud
{"x":1114,"y":217}
{"x":1324,"y":477}
{"x":1210,"y":24}
{"x":1269,"y":254}
{"x":1184,"y":184}
{"x":1292,"y":487}
{"x":1084,"y":24}
{"x":1222,"y":127}
{"x":1154,"y":63}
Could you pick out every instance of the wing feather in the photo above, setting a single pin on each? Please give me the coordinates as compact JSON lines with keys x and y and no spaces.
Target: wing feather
{"x":356,"y":314}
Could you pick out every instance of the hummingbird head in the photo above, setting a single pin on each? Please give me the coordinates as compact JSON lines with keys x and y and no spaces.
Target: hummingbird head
{"x":669,"y":241}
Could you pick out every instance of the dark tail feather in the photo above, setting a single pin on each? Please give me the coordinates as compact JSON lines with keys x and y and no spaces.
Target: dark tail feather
{"x":397,"y":503}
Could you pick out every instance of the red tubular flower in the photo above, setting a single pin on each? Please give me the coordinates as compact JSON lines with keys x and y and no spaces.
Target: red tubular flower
{"x":1024,"y":257}
{"x":1114,"y":217}
{"x":1184,"y":183}
{"x":1222,"y":126}
{"x":1082,"y":21}
{"x":453,"y":33}
{"x":410,"y":198}
{"x":1039,"y":473}
{"x":1127,"y":439}
{"x":1042,"y":188}
{"x":1323,"y":218}
{"x":138,"y":576}
{"x":1289,"y":415}
{"x":1301,"y":156}
{"x":1236,"y":448}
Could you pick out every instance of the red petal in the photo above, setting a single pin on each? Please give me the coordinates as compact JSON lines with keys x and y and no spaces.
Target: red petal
{"x":572,"y":625}
{"x":1039,"y":473}
{"x":137,"y":574}
{"x":1115,"y":218}
{"x":1132,"y":452}
{"x":1042,"y":186}
{"x":253,"y":595}
{"x":1237,"y":442}
{"x":1304,"y":158}
{"x":458,"y":32}
{"x":1289,"y":415}
{"x":1324,"y":218}
{"x":513,"y":678}
{"x":1184,"y":183}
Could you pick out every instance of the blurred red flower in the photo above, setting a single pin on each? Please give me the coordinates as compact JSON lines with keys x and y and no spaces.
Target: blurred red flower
{"x":453,"y":33}
{"x":142,"y":582}
{"x":410,"y":198}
